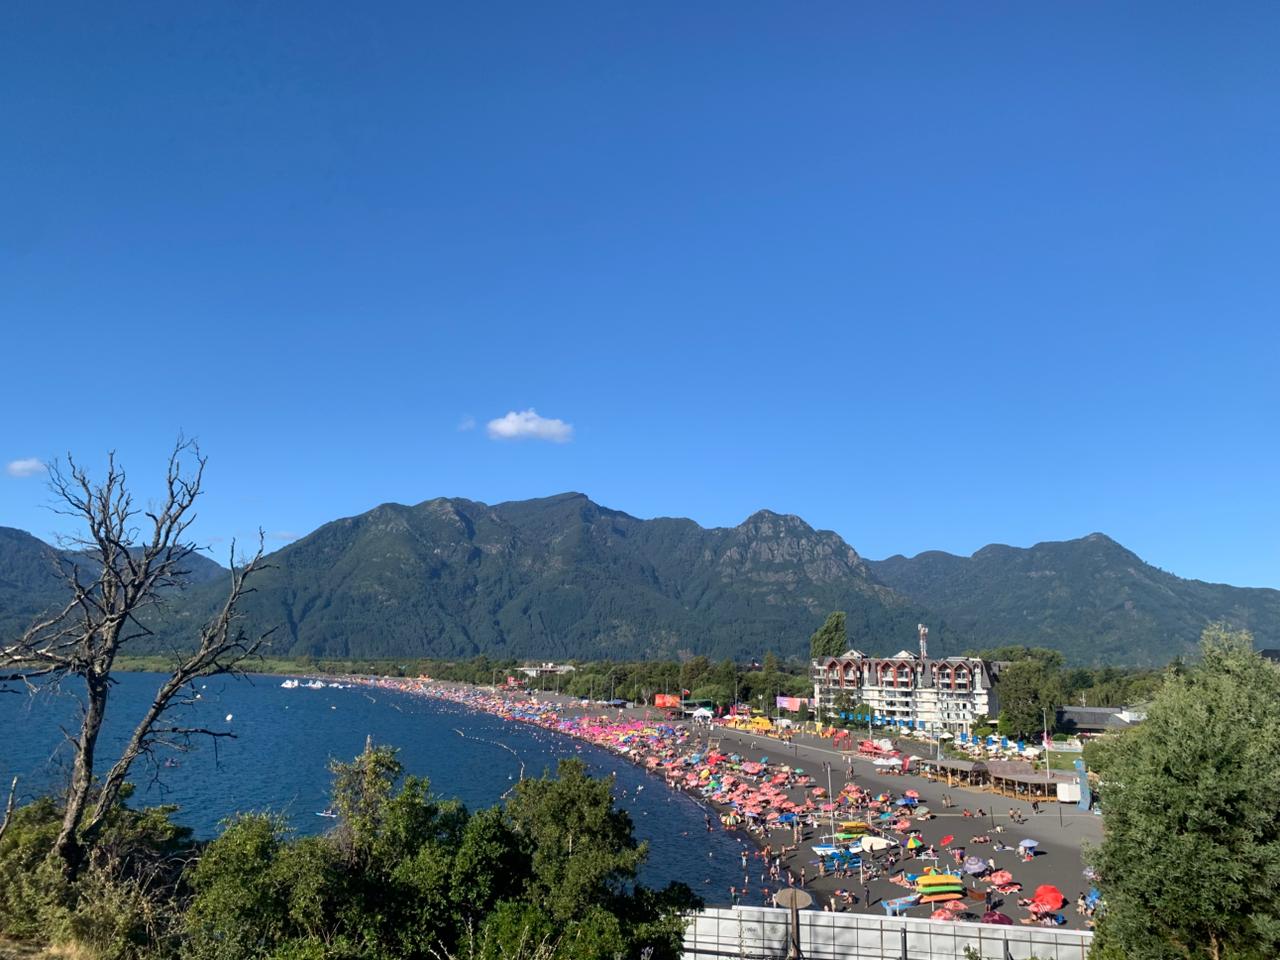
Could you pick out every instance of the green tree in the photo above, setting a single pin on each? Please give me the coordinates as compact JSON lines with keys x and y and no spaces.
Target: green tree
{"x":717,"y":693}
{"x":694,"y":671}
{"x":831,"y":639}
{"x":1030,"y":692}
{"x":583,"y":850}
{"x":1190,"y":862}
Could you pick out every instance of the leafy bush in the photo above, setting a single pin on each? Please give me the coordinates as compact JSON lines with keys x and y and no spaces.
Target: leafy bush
{"x":552,"y":876}
{"x":120,"y":907}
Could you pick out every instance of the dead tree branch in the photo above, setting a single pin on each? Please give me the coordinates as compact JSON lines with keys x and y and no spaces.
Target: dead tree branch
{"x":8,"y":807}
{"x":123,"y":562}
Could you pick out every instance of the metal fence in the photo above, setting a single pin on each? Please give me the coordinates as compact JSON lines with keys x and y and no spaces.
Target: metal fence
{"x":757,"y":933}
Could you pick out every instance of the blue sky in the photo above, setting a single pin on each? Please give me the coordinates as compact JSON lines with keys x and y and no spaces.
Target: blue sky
{"x":929,"y":275}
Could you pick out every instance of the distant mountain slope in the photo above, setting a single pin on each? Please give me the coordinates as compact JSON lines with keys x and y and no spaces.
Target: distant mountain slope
{"x":28,"y":580}
{"x":565,"y":577}
{"x":560,"y":577}
{"x":1090,"y":598}
{"x":30,"y":585}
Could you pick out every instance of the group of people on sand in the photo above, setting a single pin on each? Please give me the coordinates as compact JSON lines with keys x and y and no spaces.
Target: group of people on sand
{"x":779,"y":805}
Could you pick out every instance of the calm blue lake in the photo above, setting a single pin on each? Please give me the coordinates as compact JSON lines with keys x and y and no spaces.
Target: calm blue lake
{"x":286,"y":738}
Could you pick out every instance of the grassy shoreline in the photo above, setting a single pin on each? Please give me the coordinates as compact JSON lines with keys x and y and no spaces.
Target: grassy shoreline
{"x":279,"y":666}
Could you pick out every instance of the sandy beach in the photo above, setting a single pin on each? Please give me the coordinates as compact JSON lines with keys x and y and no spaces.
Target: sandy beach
{"x":788,"y":785}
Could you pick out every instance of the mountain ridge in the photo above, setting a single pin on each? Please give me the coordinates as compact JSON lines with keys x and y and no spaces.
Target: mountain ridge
{"x":563,"y":576}
{"x":29,"y":581}
{"x":1090,"y":597}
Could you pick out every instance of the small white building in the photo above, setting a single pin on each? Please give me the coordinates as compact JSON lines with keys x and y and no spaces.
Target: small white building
{"x":546,"y":669}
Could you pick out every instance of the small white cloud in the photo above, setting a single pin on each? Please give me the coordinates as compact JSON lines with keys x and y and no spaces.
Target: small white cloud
{"x":282,"y":535}
{"x":527,"y":425}
{"x":27,"y":467}
{"x":466,"y":423}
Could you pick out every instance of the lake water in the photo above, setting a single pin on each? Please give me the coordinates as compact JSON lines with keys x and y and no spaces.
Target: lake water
{"x":286,"y":738}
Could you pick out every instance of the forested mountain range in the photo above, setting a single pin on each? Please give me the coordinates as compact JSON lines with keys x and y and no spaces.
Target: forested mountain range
{"x":31,"y":577}
{"x":1091,"y":598}
{"x":564,"y":577}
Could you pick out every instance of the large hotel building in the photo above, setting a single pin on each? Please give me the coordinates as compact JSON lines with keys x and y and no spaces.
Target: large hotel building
{"x":909,"y":689}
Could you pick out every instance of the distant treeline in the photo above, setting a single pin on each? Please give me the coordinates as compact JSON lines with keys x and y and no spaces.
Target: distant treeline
{"x":1034,"y":679}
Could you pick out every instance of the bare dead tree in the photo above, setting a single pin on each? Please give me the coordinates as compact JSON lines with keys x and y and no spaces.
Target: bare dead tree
{"x":114,"y":573}
{"x":8,"y":808}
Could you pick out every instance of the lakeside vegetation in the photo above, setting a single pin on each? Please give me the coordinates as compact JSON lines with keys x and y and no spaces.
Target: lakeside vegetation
{"x":550,"y":875}
{"x":1033,"y":685}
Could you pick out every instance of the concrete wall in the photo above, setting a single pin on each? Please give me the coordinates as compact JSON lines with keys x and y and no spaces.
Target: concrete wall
{"x":760,"y":932}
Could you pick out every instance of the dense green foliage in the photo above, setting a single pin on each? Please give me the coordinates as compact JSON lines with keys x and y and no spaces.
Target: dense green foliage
{"x":1190,"y":863}
{"x":1030,"y":692}
{"x":554,"y":578}
{"x":112,"y":907}
{"x":832,"y":638}
{"x":1091,"y":599}
{"x":1033,"y":683}
{"x":562,"y":577}
{"x":404,"y":874}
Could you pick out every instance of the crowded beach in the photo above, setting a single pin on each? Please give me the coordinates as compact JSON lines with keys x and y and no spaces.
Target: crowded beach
{"x":857,"y":837}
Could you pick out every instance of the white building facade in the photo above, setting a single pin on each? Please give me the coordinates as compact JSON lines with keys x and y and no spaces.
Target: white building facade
{"x":907,"y":690}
